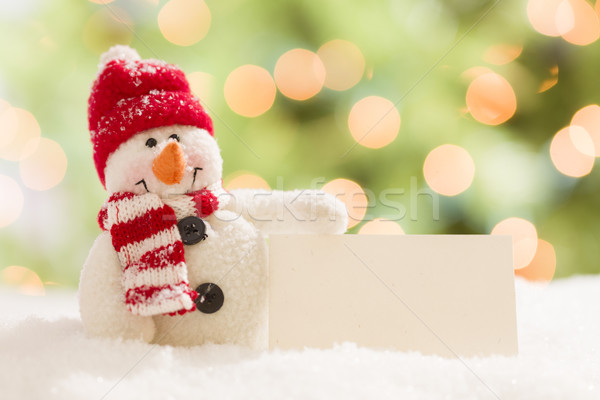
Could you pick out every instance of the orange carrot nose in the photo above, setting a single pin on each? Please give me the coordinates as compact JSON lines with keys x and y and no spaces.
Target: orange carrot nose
{"x":169,"y":166}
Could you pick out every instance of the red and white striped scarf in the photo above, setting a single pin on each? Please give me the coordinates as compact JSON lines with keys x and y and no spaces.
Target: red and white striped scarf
{"x":145,"y":236}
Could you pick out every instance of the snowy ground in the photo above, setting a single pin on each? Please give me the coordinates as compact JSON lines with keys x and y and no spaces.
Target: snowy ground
{"x":44,"y":354}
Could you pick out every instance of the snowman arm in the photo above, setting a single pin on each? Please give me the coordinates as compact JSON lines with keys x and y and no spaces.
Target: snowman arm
{"x":101,"y":298}
{"x":290,"y":212}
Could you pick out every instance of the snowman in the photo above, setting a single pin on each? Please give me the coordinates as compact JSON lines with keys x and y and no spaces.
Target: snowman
{"x":180,"y":261}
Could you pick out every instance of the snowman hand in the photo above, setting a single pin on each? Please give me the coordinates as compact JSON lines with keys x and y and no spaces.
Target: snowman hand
{"x":291,"y":212}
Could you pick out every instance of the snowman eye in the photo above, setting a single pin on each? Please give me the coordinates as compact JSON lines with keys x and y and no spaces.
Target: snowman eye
{"x":151,"y":142}
{"x":174,"y":136}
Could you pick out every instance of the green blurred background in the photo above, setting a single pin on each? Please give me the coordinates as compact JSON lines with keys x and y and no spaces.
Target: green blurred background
{"x":415,"y":53}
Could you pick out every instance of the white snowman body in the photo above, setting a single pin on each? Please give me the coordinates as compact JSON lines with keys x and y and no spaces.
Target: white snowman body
{"x":233,"y":256}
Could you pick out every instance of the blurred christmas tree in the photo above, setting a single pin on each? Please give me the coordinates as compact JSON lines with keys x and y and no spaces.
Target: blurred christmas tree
{"x":439,"y":116}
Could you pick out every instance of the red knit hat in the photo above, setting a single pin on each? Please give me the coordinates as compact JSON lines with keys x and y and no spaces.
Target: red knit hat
{"x":131,"y":95}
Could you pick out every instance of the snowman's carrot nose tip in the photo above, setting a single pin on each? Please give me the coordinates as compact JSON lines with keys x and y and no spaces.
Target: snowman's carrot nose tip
{"x":169,"y":166}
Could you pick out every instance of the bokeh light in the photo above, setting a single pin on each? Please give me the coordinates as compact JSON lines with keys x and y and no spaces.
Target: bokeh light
{"x":381,"y":226}
{"x":202,"y":85}
{"x":45,"y":167}
{"x":449,"y":170}
{"x":11,"y":201}
{"x":344,"y":64}
{"x":184,"y":22}
{"x":26,"y":138}
{"x":543,"y":265}
{"x":578,"y":22}
{"x":24,"y":280}
{"x":352,"y":195}
{"x":9,"y":123}
{"x":543,"y":16}
{"x":524,"y":238}
{"x":582,"y":140}
{"x":575,"y":20}
{"x":374,"y":122}
{"x":588,"y":118}
{"x":549,"y":83}
{"x":299,"y":74}
{"x":491,"y":99}
{"x":250,"y":90}
{"x":567,"y":158}
{"x":245,"y":180}
{"x":50,"y":59}
{"x":501,"y":54}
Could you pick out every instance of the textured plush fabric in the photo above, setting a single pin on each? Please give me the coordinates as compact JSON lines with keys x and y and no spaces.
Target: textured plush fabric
{"x":131,"y":96}
{"x":145,"y":236}
{"x":233,"y":255}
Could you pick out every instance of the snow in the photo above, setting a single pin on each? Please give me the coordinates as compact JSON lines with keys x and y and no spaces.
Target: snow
{"x":44,"y":353}
{"x":148,"y":68}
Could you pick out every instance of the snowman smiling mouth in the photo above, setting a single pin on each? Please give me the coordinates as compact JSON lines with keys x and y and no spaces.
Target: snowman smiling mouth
{"x":143,"y":182}
{"x":169,"y":167}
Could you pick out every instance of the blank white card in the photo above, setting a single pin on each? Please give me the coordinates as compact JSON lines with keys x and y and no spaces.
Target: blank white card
{"x":451,"y":295}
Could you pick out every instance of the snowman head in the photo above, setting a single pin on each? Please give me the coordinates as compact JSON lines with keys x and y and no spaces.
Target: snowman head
{"x":150,"y":134}
{"x":167,"y":161}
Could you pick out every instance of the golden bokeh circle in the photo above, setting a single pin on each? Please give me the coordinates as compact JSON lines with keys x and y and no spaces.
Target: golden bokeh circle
{"x":543,"y":265}
{"x":449,"y":170}
{"x":202,"y":85}
{"x":9,"y":123}
{"x":11,"y":201}
{"x":344,"y":64}
{"x":567,"y":157}
{"x":502,"y":54}
{"x":588,"y":117}
{"x":524,"y":237}
{"x":45,"y":167}
{"x":26,"y":137}
{"x":299,"y":74}
{"x":491,"y":99}
{"x":250,"y":90}
{"x":245,"y":180}
{"x":374,"y":122}
{"x":184,"y":22}
{"x":352,"y":195}
{"x":542,"y":16}
{"x":578,"y":22}
{"x":23,"y":279}
{"x":381,"y":226}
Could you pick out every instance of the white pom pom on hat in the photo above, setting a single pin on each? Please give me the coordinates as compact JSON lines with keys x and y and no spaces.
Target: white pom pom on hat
{"x":119,"y":51}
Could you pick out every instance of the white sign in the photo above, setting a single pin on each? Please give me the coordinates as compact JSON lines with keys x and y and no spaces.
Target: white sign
{"x":436,"y":294}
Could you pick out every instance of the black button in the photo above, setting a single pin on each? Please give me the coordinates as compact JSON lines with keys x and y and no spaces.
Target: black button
{"x":210,"y":298}
{"x":192,"y":230}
